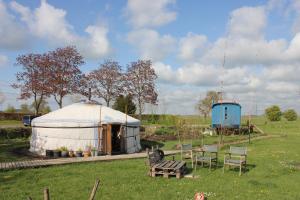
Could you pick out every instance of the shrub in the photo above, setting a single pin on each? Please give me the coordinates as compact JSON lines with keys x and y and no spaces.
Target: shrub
{"x":273,"y":113}
{"x":290,"y":115}
{"x":164,"y":131}
{"x":12,"y":133}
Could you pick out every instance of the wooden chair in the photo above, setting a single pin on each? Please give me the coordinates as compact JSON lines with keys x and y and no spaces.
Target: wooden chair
{"x":187,"y":152}
{"x":237,"y":157}
{"x":208,"y":154}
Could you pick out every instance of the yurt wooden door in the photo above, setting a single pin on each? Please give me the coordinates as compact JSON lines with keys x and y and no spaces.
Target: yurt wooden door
{"x":106,"y":139}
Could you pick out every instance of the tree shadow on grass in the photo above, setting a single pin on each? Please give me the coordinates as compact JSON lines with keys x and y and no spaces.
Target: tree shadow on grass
{"x":237,"y":169}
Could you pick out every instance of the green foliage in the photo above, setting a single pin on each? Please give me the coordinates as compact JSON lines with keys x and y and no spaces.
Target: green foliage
{"x":10,"y":109}
{"x":63,"y":148}
{"x":24,"y":108}
{"x":159,"y":119}
{"x":165,"y":131}
{"x":44,"y":107}
{"x":273,"y":113}
{"x":121,"y":103}
{"x":290,"y":115}
{"x":12,"y":133}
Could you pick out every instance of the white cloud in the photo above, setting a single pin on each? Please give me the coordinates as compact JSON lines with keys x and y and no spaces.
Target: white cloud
{"x":247,"y":22}
{"x":150,"y":44}
{"x":145,"y":13}
{"x":3,"y":60}
{"x":12,"y":35}
{"x":49,"y":22}
{"x":282,"y":87}
{"x":192,"y":46}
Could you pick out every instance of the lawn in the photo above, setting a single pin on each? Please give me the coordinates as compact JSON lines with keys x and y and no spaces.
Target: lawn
{"x":10,"y":122}
{"x":273,"y":173}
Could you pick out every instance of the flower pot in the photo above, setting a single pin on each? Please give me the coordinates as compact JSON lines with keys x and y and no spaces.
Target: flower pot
{"x":49,"y":153}
{"x":94,"y":153}
{"x":64,"y":154}
{"x":56,"y":154}
{"x":78,"y":154}
{"x":86,"y":154}
{"x":71,"y":154}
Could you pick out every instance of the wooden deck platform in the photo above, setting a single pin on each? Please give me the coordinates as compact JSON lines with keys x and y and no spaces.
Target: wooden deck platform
{"x":61,"y":161}
{"x":168,"y":168}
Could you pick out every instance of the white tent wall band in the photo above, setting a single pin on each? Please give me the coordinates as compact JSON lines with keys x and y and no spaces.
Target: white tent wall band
{"x":86,"y":124}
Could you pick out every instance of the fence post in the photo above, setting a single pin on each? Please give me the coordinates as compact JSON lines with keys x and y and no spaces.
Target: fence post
{"x":46,"y":194}
{"x":93,"y":193}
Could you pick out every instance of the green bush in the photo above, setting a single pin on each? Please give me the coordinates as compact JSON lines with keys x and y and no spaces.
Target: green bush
{"x":165,"y":131}
{"x":290,"y":115}
{"x":12,"y":133}
{"x":273,"y":113}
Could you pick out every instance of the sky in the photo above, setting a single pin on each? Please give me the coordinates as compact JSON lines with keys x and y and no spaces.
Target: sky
{"x":187,"y":42}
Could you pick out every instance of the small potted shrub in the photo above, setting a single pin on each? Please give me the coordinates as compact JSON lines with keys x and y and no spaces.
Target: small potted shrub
{"x":71,"y":153}
{"x":87,"y":151}
{"x":49,"y":153}
{"x":94,"y":151}
{"x":56,"y":153}
{"x":64,"y":152}
{"x":86,"y":154}
{"x":79,"y":153}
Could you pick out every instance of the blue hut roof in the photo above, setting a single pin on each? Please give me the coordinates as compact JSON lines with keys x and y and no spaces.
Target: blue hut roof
{"x":226,"y":103}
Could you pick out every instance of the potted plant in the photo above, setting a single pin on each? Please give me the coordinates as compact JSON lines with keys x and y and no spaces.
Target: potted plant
{"x":86,"y":154}
{"x":79,"y":153}
{"x":64,"y":152}
{"x":56,"y":153}
{"x":94,"y":151}
{"x":71,"y":153}
{"x":49,"y":153}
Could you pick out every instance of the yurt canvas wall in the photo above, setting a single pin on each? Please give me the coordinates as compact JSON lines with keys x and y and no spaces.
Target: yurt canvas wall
{"x":81,"y":125}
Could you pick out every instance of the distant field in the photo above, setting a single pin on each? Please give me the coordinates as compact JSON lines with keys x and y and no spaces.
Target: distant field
{"x":273,"y":173}
{"x":10,"y":122}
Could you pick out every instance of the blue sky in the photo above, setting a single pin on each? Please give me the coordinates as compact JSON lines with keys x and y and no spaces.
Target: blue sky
{"x":186,"y":40}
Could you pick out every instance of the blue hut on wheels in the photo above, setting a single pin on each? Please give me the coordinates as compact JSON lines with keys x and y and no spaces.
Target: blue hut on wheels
{"x":226,"y":115}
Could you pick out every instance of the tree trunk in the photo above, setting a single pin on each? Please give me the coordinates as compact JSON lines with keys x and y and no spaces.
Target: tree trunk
{"x":140,"y":111}
{"x":36,"y":107}
{"x":58,"y":101}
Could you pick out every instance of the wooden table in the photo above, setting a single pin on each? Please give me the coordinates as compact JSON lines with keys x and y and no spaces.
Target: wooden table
{"x":169,"y":168}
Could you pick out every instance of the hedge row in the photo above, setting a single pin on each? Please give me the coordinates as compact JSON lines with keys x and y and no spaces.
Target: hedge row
{"x":12,"y":133}
{"x":11,"y":116}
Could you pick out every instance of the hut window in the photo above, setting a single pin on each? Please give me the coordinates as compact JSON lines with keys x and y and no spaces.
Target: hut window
{"x":225,"y":112}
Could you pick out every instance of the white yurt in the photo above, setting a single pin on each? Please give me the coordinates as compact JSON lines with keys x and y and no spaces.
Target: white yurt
{"x":86,"y":125}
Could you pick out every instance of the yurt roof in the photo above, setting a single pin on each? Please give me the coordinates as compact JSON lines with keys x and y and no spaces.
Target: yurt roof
{"x":83,"y":114}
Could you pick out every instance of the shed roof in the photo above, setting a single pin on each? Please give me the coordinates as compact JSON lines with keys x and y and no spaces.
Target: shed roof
{"x":226,"y":103}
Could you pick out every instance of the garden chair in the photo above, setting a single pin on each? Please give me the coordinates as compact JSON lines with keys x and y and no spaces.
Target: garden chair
{"x":208,"y":154}
{"x":236,"y":157}
{"x":186,"y":151}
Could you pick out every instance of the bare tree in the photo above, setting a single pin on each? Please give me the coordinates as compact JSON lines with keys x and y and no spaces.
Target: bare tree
{"x":205,"y":105}
{"x":65,"y":75}
{"x":33,"y":80}
{"x":141,"y":83}
{"x":107,"y":81}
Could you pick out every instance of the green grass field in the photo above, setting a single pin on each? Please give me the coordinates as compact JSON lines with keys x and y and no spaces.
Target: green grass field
{"x":10,"y":122}
{"x":273,"y":173}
